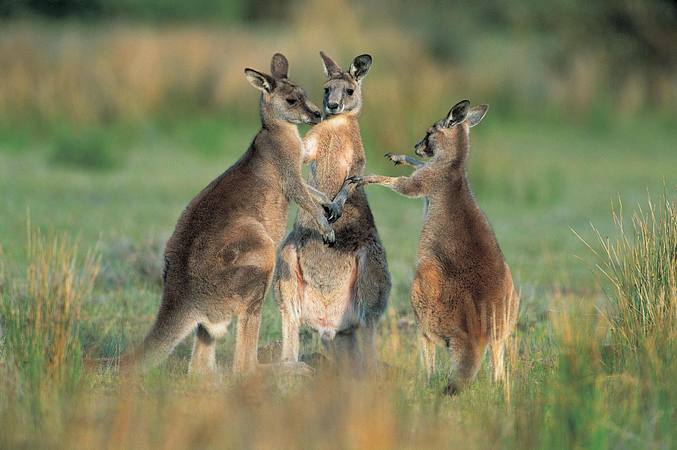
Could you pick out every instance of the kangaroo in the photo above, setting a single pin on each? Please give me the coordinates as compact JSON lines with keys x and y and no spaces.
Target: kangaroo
{"x":219,"y":260}
{"x":462,"y":294}
{"x":341,"y":289}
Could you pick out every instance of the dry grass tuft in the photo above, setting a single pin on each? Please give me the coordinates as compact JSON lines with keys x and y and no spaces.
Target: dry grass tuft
{"x":41,"y":313}
{"x":641,"y":266}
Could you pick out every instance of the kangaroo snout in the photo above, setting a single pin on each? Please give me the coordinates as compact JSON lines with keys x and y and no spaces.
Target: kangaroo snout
{"x":316,"y":117}
{"x":313,"y":114}
{"x":420,"y":150}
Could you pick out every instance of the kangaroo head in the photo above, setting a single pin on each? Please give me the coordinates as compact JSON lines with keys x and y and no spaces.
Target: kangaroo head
{"x":448,"y":138}
{"x":343,"y":90}
{"x":282,"y":100}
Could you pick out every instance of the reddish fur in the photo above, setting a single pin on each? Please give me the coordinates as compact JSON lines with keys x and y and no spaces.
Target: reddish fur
{"x":462,"y":293}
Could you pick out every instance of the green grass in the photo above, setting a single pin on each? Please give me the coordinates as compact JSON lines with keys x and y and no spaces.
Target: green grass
{"x":571,"y":383}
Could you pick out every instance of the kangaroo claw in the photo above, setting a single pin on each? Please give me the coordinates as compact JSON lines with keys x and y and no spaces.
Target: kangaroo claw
{"x":332,"y":212}
{"x":393,"y":158}
{"x":355,"y":179}
{"x":329,"y":238}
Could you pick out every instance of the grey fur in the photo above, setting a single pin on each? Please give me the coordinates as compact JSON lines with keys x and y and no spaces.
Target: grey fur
{"x":340,"y":291}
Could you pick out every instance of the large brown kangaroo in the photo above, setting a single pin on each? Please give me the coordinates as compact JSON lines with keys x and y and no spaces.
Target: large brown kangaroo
{"x":462,"y":293}
{"x":220,"y":259}
{"x":344,"y":288}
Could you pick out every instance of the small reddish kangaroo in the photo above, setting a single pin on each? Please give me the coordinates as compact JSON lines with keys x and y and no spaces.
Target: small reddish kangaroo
{"x":462,"y":294}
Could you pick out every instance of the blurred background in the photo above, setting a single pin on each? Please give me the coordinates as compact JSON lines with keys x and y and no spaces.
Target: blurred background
{"x":114,"y":114}
{"x":106,"y":63}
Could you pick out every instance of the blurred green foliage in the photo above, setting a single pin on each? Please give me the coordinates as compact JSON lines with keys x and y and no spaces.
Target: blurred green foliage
{"x":157,"y":10}
{"x":567,"y":59}
{"x":91,"y":148}
{"x":642,"y":32}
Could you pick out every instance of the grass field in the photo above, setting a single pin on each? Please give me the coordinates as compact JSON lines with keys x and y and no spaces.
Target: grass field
{"x":573,"y":382}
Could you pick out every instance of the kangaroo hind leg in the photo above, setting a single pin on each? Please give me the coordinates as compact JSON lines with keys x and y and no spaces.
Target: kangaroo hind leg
{"x":288,"y":292}
{"x":246,"y":341}
{"x":203,"y":358}
{"x":370,"y":293}
{"x":249,"y":258}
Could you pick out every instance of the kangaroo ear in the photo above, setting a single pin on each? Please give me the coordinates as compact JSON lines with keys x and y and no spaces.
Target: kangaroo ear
{"x":457,"y":113}
{"x":330,"y":67}
{"x":259,"y":80}
{"x":360,"y":67}
{"x":279,"y":66}
{"x":476,"y":114}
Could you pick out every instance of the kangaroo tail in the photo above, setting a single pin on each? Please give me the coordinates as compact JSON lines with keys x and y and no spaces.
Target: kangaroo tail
{"x":171,"y":326}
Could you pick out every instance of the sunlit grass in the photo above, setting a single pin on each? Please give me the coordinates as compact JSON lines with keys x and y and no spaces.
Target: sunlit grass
{"x":641,"y":266}
{"x":40,"y":321}
{"x":567,"y":386}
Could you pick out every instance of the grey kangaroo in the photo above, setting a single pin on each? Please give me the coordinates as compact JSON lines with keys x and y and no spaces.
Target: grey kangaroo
{"x":220,"y":259}
{"x":341,"y":289}
{"x":462,"y":294}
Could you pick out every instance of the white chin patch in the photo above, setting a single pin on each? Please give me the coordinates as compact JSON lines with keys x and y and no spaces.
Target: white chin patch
{"x":333,"y":113}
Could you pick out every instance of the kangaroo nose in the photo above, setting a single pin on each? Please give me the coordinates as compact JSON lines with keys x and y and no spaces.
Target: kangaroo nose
{"x":317,"y":114}
{"x":332,"y":105}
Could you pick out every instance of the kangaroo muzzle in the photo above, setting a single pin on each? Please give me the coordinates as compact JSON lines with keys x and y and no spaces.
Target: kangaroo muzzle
{"x":333,"y":103}
{"x":313,"y":115}
{"x":420,"y":148}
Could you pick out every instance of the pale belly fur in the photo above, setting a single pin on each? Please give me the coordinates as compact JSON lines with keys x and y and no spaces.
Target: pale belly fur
{"x":330,"y":312}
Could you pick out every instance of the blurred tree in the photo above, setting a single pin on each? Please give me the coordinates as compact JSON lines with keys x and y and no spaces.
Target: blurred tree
{"x":50,"y":8}
{"x":135,"y":9}
{"x":634,"y":37}
{"x":265,"y":10}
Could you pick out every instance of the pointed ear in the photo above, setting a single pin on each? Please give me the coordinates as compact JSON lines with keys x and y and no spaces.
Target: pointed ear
{"x":476,"y":114}
{"x":457,"y":113}
{"x":330,"y":67}
{"x":259,"y":80}
{"x":360,"y":67}
{"x":279,"y":66}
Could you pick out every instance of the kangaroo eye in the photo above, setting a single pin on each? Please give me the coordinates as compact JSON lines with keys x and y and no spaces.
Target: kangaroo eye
{"x":326,"y":90}
{"x":350,"y":91}
{"x":291,"y":101}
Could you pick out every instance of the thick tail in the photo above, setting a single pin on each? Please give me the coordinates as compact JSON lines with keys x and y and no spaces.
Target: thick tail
{"x":170,"y":328}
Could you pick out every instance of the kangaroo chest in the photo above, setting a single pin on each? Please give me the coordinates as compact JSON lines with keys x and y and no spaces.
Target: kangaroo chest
{"x":326,"y":275}
{"x":333,"y":164}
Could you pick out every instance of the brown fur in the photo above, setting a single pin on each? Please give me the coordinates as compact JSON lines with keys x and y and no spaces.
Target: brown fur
{"x":343,"y":289}
{"x":462,"y":293}
{"x":220,"y":259}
